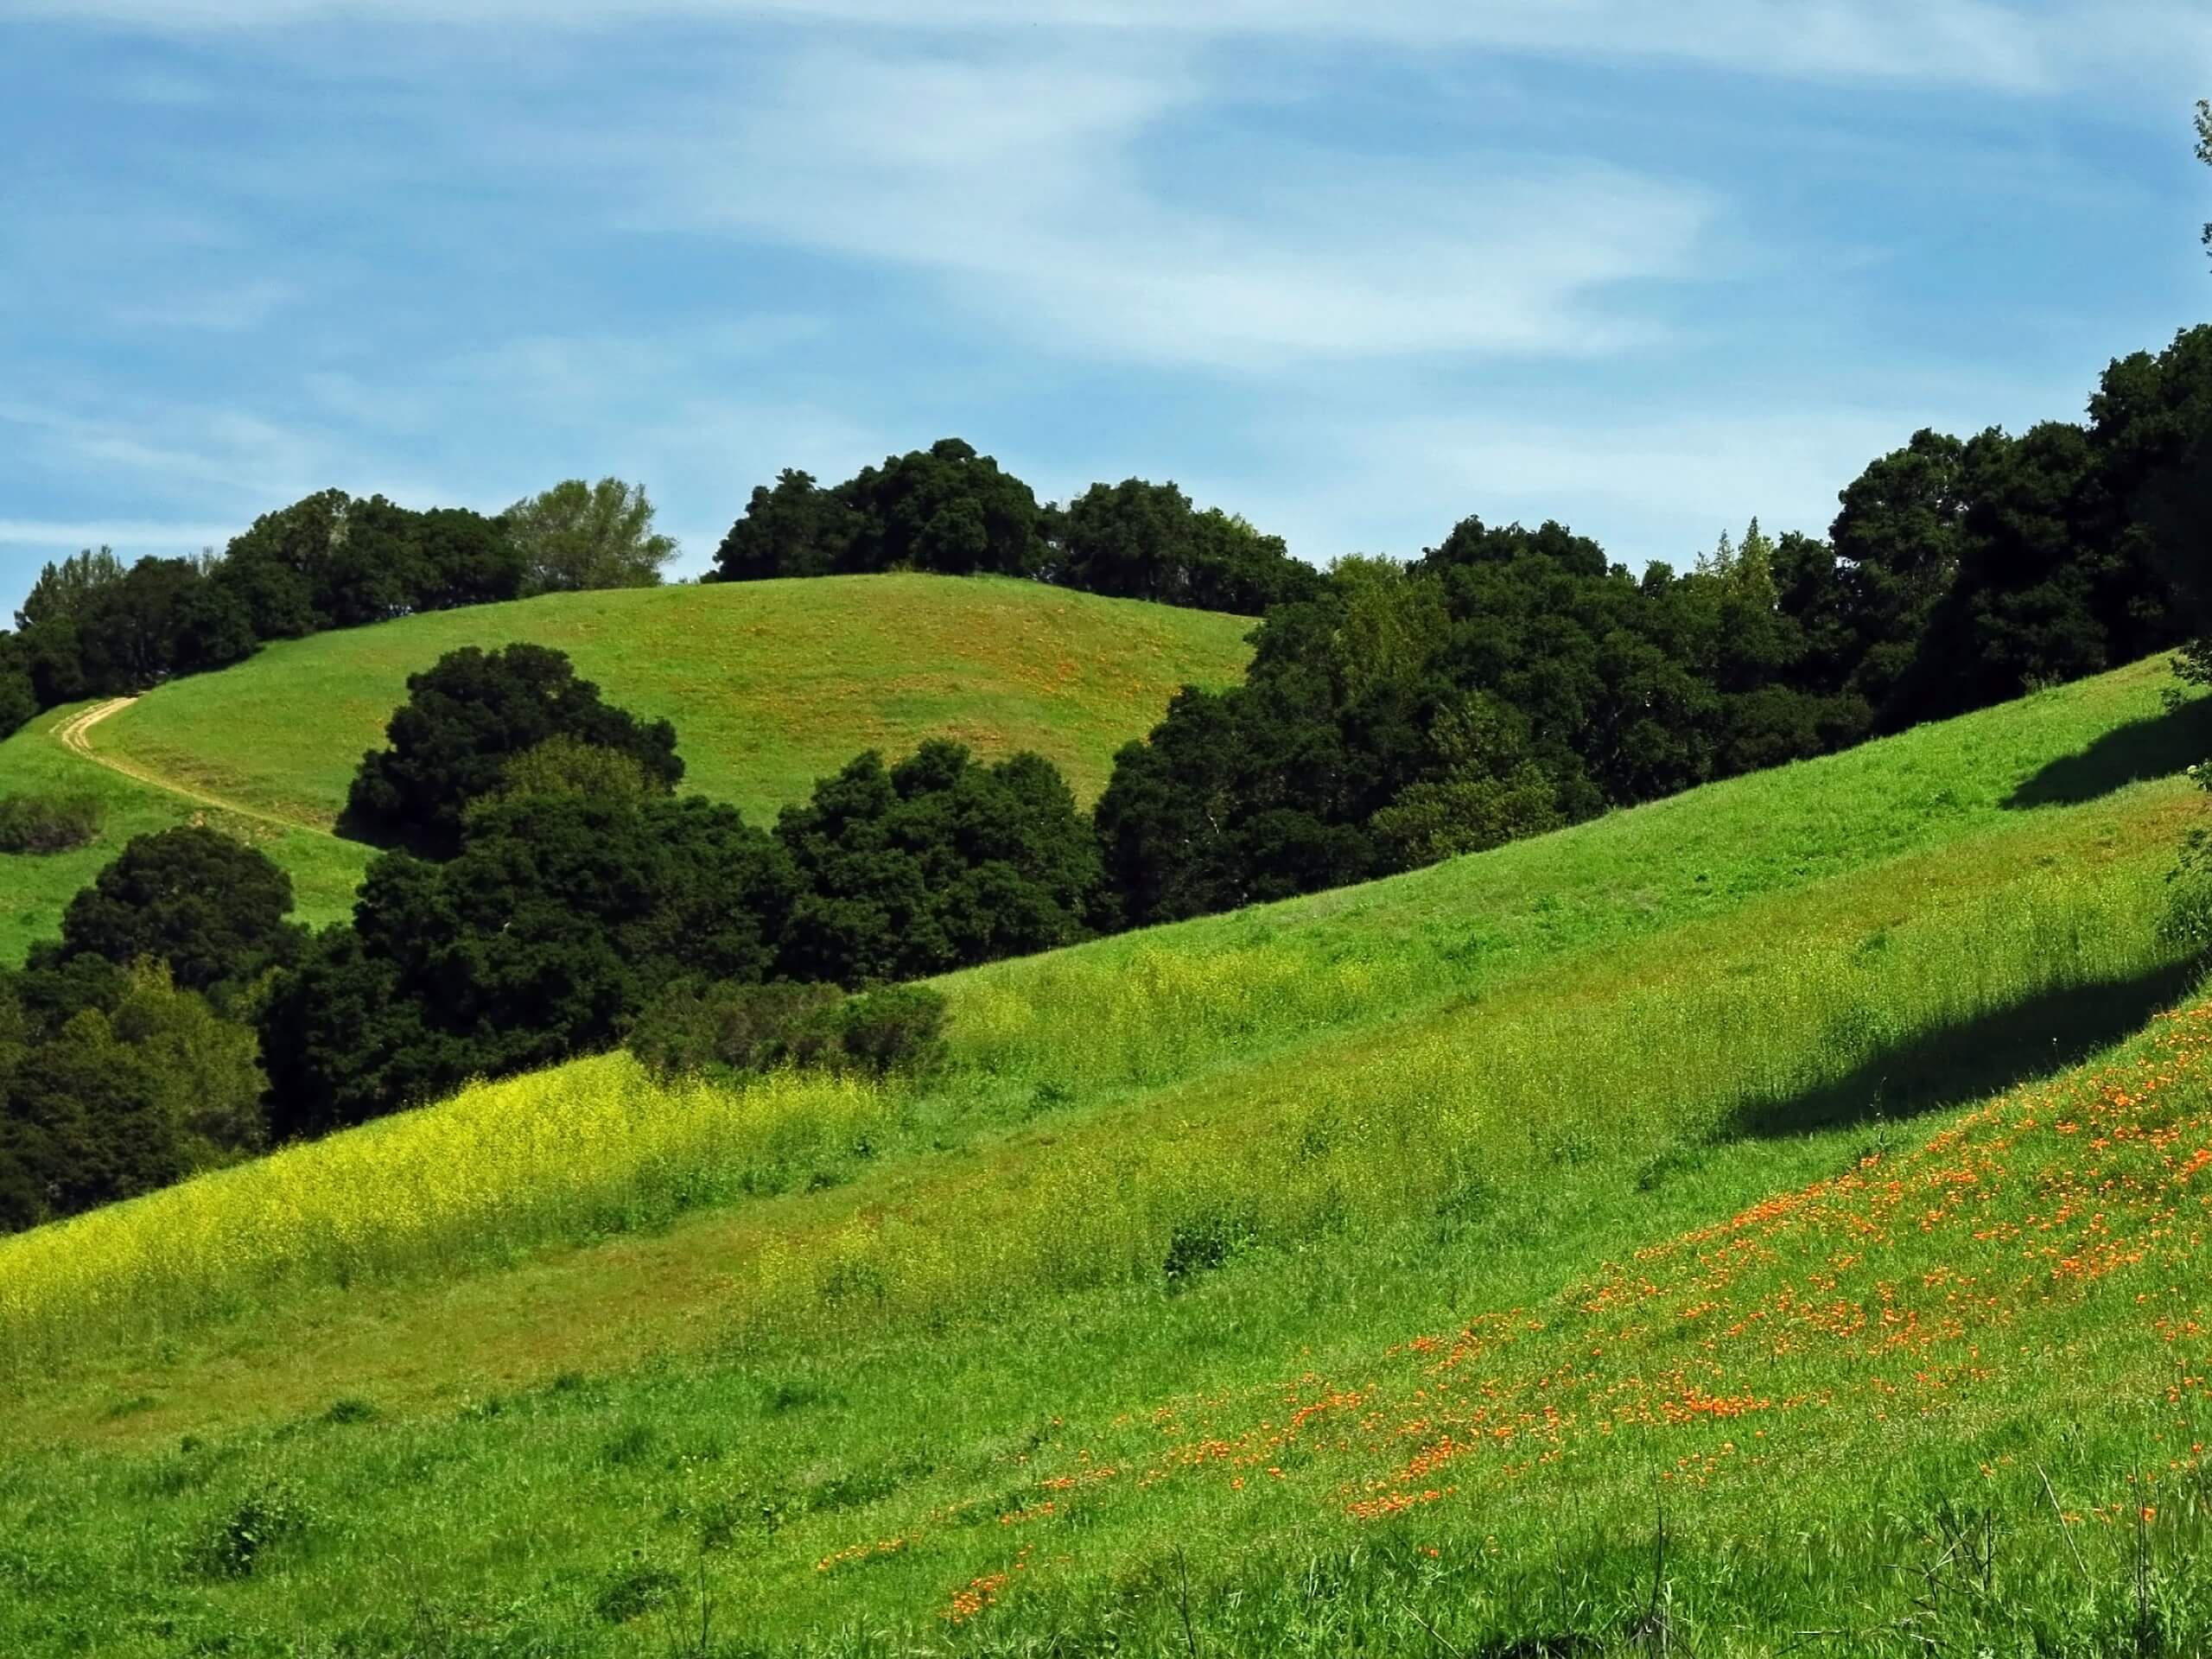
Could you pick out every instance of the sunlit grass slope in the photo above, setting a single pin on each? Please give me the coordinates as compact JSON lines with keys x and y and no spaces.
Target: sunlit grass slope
{"x":34,"y":891}
{"x":770,"y":684}
{"x":1357,"y":1273}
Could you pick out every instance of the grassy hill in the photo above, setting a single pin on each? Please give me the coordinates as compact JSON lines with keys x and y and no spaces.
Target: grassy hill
{"x":1753,"y":1215}
{"x":771,"y":685}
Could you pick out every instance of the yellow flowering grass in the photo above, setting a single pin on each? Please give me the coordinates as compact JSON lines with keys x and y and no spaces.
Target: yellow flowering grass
{"x":561,"y":1154}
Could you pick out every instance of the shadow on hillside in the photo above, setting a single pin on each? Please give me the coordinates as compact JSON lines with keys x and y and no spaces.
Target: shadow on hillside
{"x":1978,"y":1058}
{"x":2156,"y":748}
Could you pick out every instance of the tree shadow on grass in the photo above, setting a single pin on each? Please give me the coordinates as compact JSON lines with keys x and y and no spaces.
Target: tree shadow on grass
{"x":1975,"y":1058}
{"x":2158,"y":747}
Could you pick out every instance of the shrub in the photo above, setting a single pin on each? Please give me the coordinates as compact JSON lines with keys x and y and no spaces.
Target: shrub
{"x":740,"y":1027}
{"x":899,"y":1028}
{"x":754,"y":1028}
{"x":1202,"y":1243}
{"x":48,"y":823}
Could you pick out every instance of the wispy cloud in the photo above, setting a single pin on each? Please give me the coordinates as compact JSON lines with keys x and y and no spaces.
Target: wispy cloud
{"x":1998,"y":43}
{"x":1019,"y":179}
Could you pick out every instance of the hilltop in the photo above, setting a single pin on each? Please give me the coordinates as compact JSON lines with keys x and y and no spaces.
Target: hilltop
{"x":1466,"y":1252}
{"x":770,"y":684}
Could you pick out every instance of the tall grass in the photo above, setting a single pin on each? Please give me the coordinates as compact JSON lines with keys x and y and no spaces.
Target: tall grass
{"x":1357,"y":1128}
{"x":587,"y":1148}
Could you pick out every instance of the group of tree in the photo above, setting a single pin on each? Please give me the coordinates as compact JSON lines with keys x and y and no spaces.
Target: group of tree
{"x":1511,"y":680}
{"x":948,"y":510}
{"x":93,"y":626}
{"x":128,"y":1054}
{"x":546,"y":886}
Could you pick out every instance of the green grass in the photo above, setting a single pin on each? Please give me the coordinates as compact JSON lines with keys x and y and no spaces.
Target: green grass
{"x":527,"y":1372}
{"x":770,"y":684}
{"x":36,"y":889}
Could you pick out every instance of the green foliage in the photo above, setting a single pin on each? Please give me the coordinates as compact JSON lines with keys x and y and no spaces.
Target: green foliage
{"x":114,"y":1081}
{"x":897,"y":1030}
{"x":634,"y":1591}
{"x":746,"y":1030}
{"x":467,"y":718}
{"x":18,"y":696}
{"x":566,"y":765}
{"x":334,"y":560}
{"x":580,"y":535}
{"x":67,"y":591}
{"x":692,"y":1027}
{"x":936,"y":863}
{"x":559,"y":920}
{"x":237,"y":1543}
{"x":211,"y":908}
{"x":49,"y":823}
{"x":950,"y":511}
{"x":1492,"y":790}
{"x":945,"y":510}
{"x":1139,"y":540}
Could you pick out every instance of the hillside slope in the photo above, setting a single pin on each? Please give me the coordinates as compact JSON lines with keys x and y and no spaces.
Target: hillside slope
{"x":1324,"y":1276}
{"x":771,"y":685}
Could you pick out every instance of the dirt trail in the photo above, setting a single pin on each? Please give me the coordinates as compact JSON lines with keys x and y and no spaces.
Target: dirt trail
{"x":75,"y":735}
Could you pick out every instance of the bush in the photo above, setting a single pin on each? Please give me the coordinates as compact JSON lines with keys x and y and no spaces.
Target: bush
{"x":749,"y":1029}
{"x":48,"y":823}
{"x":899,"y":1028}
{"x":740,"y":1027}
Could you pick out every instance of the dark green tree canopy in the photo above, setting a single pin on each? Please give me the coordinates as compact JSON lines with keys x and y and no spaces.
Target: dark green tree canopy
{"x":65,"y":591}
{"x":212,"y":908}
{"x":18,"y":694}
{"x":936,"y":863}
{"x":796,"y":529}
{"x":1139,"y":540}
{"x":945,"y":509}
{"x":466,"y":718}
{"x":561,"y":917}
{"x":331,"y":561}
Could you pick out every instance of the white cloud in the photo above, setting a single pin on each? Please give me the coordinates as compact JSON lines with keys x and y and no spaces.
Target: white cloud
{"x":211,"y":462}
{"x":2004,"y":44}
{"x":1019,"y":179}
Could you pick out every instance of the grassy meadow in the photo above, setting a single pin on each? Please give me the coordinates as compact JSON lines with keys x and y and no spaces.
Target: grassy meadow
{"x":1765,"y":1220}
{"x":36,"y":889}
{"x":770,"y":684}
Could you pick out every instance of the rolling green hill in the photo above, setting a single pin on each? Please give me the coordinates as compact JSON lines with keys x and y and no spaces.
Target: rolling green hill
{"x":1757,"y":1214}
{"x":771,"y":685}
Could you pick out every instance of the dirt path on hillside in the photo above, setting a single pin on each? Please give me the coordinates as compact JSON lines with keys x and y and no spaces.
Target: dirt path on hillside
{"x":75,"y":734}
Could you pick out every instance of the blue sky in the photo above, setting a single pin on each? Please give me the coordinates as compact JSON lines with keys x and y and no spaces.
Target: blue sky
{"x":1353,"y":268}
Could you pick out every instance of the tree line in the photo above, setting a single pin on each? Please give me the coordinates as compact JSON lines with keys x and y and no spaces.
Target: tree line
{"x":92,"y":626}
{"x":1509,"y":680}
